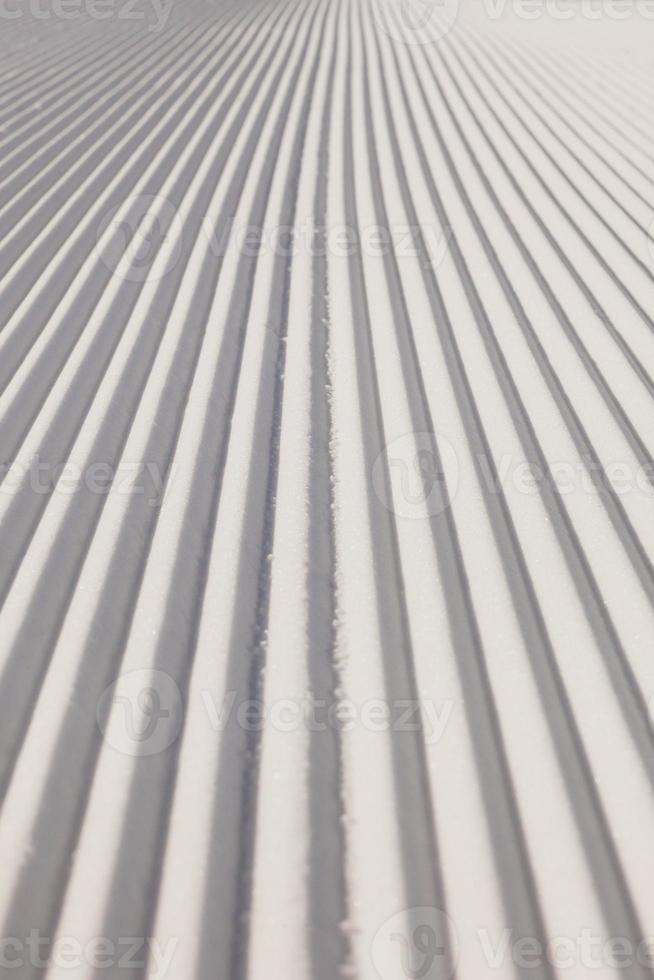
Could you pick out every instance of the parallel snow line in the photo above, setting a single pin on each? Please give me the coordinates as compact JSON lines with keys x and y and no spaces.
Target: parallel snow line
{"x":604,"y":97}
{"x":594,"y":811}
{"x":332,"y":312}
{"x":616,"y":84}
{"x":611,"y":273}
{"x":58,"y":61}
{"x":537,"y":91}
{"x":34,"y":130}
{"x":17,"y":531}
{"x":423,"y":880}
{"x":269,"y":421}
{"x":616,"y":912}
{"x":628,"y":274}
{"x":41,"y":206}
{"x":104,"y":121}
{"x":613,"y":404}
{"x":516,"y":91}
{"x":536,"y":633}
{"x":51,"y":94}
{"x":163,"y":136}
{"x":66,"y":748}
{"x":329,"y":901}
{"x":24,"y":389}
{"x":633,"y":358}
{"x":605,"y":629}
{"x":621,"y":145}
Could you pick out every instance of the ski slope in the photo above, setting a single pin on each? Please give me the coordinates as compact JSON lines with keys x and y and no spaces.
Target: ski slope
{"x":327,"y":494}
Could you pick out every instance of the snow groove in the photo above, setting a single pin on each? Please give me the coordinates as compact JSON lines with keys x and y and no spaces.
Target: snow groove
{"x":326,"y":495}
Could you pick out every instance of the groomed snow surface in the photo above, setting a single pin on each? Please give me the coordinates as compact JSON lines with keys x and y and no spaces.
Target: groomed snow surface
{"x":327,"y":495}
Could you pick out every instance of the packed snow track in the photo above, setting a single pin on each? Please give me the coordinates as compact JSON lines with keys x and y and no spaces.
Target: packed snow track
{"x":326,"y":490}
